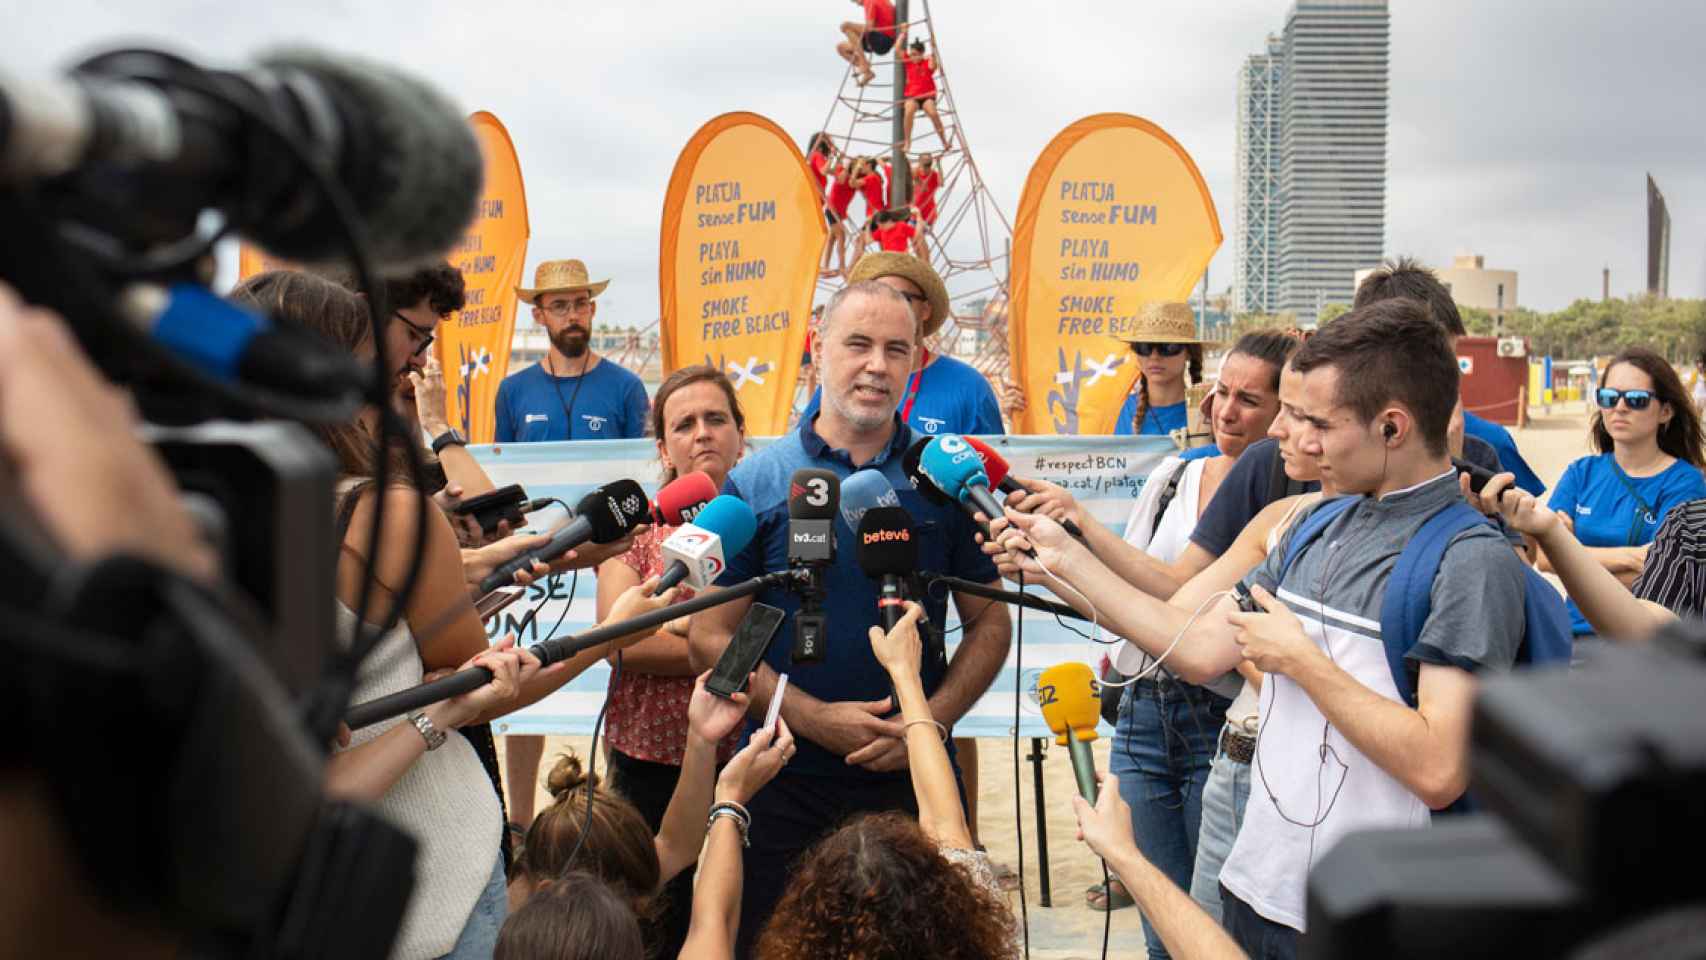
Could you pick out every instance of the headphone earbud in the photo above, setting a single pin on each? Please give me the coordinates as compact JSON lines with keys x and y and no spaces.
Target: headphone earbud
{"x":1389,"y":429}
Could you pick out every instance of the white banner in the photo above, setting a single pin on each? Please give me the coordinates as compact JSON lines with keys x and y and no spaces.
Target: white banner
{"x":1103,"y":473}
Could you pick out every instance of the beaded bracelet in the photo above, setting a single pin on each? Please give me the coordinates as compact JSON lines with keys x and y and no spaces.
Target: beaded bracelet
{"x":943,"y":730}
{"x":735,"y":812}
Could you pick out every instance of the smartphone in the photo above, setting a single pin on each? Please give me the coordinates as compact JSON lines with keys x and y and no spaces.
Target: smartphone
{"x":775,"y":711}
{"x":1478,"y":476}
{"x":745,"y":649}
{"x":1246,"y":600}
{"x":502,"y":597}
{"x":489,"y":509}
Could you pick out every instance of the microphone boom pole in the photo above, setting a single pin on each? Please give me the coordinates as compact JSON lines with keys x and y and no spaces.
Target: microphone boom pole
{"x":549,"y":652}
{"x":1014,"y":597}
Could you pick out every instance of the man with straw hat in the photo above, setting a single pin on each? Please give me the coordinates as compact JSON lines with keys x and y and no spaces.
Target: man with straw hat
{"x":1164,"y":337}
{"x":572,"y":394}
{"x":943,"y":395}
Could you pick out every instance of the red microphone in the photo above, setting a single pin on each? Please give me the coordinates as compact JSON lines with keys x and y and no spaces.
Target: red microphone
{"x":681,"y":499}
{"x":996,"y":468}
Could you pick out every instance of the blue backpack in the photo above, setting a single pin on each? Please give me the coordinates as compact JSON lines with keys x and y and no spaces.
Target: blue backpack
{"x":1546,"y":639}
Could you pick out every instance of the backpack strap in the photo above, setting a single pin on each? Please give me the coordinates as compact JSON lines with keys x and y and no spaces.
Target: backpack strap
{"x":1166,"y":499}
{"x":1309,"y":528}
{"x":1409,"y":591}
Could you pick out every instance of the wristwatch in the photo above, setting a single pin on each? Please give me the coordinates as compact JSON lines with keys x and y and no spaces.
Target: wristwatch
{"x":447,"y":438}
{"x":433,"y":736}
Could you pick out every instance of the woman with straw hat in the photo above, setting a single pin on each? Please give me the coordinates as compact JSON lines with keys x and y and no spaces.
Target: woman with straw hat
{"x":1164,"y":337}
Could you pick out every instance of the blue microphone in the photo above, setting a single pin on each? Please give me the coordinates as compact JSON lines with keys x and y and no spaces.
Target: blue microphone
{"x":697,"y":551}
{"x":861,"y":491}
{"x":957,"y":470}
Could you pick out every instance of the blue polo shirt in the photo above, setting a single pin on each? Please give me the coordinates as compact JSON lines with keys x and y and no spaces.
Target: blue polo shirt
{"x":951,"y":397}
{"x":1156,"y":420}
{"x":1601,"y":499}
{"x":849,"y":671}
{"x":1509,"y":457}
{"x":609,"y":403}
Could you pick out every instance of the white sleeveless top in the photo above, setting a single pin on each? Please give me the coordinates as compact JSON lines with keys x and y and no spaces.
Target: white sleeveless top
{"x":445,"y":800}
{"x":1245,"y":711}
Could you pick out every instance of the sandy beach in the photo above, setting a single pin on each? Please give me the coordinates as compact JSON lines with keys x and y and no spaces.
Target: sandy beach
{"x":1069,"y":929}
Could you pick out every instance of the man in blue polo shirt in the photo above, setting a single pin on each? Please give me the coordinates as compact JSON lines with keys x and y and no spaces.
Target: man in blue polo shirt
{"x":852,"y":752}
{"x":573,"y":393}
{"x":943,"y":395}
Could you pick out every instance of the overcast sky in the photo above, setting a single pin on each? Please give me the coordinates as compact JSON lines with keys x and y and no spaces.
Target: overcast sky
{"x":1520,"y":129}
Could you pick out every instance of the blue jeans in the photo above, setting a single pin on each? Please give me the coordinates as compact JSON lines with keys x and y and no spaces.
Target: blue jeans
{"x":1259,"y":937}
{"x":479,"y":935}
{"x":1163,"y":745}
{"x":1223,"y":800}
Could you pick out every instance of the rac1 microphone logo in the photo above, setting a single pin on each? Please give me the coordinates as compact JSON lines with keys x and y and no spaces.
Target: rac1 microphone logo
{"x":887,"y":536}
{"x":688,"y":513}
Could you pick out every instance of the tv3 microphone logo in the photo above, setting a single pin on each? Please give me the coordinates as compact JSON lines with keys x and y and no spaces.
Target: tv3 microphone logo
{"x":816,"y":491}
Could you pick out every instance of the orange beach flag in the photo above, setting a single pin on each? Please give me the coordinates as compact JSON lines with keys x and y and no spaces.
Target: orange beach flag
{"x":738,"y":260}
{"x":1114,"y":215}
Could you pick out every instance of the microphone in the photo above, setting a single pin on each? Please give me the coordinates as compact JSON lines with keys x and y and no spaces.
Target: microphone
{"x":1067,"y":694}
{"x":681,"y":499}
{"x":603,"y":516}
{"x":143,"y":141}
{"x":695,"y":552}
{"x":956,"y":470}
{"x":888,"y":553}
{"x":997,"y":467}
{"x":865,"y":490}
{"x":920,"y":482}
{"x":814,"y":495}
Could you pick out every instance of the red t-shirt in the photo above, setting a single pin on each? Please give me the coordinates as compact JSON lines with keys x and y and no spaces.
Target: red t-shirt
{"x":896,"y":237}
{"x":925,"y":197}
{"x":920,"y":78}
{"x":872,"y":188}
{"x":840,"y":195}
{"x":880,"y":15}
{"x":819,"y":162}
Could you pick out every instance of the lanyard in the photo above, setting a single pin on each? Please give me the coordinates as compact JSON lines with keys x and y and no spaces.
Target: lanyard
{"x":912,"y":388}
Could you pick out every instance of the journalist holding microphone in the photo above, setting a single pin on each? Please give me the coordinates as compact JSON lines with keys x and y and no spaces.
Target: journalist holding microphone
{"x":852,"y":755}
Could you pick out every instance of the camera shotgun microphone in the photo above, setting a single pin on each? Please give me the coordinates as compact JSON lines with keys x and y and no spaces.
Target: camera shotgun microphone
{"x":696,"y":552}
{"x":1071,"y":708}
{"x":814,"y":498}
{"x":603,"y":516}
{"x":888,"y":554}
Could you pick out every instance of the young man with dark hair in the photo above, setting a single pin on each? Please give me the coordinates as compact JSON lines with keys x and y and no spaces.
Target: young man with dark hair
{"x":1405,"y":277}
{"x":1339,"y":750}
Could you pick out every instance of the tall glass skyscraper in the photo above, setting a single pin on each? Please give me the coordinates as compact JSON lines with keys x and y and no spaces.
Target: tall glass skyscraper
{"x":1312,"y":157}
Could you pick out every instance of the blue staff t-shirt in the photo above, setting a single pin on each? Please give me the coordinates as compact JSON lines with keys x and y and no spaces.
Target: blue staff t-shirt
{"x":849,"y":670}
{"x":1156,"y":420}
{"x":609,"y":404}
{"x":951,"y":397}
{"x":1601,"y":499}
{"x":1509,"y":457}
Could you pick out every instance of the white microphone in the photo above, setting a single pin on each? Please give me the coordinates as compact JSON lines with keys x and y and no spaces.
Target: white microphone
{"x":693,"y":554}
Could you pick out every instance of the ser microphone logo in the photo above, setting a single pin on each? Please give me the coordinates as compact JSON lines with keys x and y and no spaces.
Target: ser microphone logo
{"x":887,"y":536}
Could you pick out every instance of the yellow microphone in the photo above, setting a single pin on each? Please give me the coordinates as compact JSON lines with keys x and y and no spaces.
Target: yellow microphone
{"x":1067,"y":694}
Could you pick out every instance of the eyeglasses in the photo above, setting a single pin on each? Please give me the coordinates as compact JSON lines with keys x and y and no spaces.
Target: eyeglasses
{"x":913,"y":297}
{"x":563,"y":308}
{"x":423,"y":334}
{"x":1165,"y":349}
{"x":1635,"y":399}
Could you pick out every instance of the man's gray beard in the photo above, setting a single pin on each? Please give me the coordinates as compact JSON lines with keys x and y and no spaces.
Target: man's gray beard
{"x":856,"y":416}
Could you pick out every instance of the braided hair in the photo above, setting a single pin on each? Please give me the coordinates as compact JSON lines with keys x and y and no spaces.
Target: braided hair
{"x":1193,"y":376}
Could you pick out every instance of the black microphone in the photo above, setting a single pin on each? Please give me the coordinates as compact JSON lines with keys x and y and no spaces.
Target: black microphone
{"x":143,"y":141}
{"x":602,"y":516}
{"x":888,"y":554}
{"x":814,"y":498}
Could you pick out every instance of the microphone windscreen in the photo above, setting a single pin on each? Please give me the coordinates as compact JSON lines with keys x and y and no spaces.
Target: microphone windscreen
{"x":920,"y":482}
{"x":731,"y":520}
{"x":614,"y":509}
{"x":952,"y":466}
{"x":813,"y":494}
{"x":994,"y":465}
{"x":1067,"y":694}
{"x":886,"y":544}
{"x":407,"y":159}
{"x":863,"y":490}
{"x":681,"y":499}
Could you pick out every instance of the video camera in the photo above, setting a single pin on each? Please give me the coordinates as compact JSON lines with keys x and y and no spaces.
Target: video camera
{"x":116,"y":181}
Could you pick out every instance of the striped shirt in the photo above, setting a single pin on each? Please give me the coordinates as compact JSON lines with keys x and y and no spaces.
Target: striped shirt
{"x":1675,"y":573}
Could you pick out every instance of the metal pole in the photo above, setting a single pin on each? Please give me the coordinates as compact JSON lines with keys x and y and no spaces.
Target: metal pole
{"x":1036,"y":759}
{"x":900,"y":182}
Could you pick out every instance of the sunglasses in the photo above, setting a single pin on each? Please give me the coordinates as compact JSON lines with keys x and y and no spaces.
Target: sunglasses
{"x":423,"y":334}
{"x":1165,"y":349}
{"x":1635,"y":399}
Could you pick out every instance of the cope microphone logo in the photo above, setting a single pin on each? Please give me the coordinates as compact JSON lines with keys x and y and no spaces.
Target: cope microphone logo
{"x":888,"y":536}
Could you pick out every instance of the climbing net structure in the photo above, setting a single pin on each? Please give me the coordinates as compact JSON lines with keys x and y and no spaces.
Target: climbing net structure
{"x":971,"y":240}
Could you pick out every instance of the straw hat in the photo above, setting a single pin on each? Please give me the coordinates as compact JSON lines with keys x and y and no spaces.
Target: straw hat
{"x":560,"y":276}
{"x":1162,"y":322}
{"x":887,"y":264}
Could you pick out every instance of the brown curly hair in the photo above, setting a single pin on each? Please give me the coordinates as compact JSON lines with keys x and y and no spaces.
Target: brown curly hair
{"x":618,"y":849}
{"x":879,"y":889}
